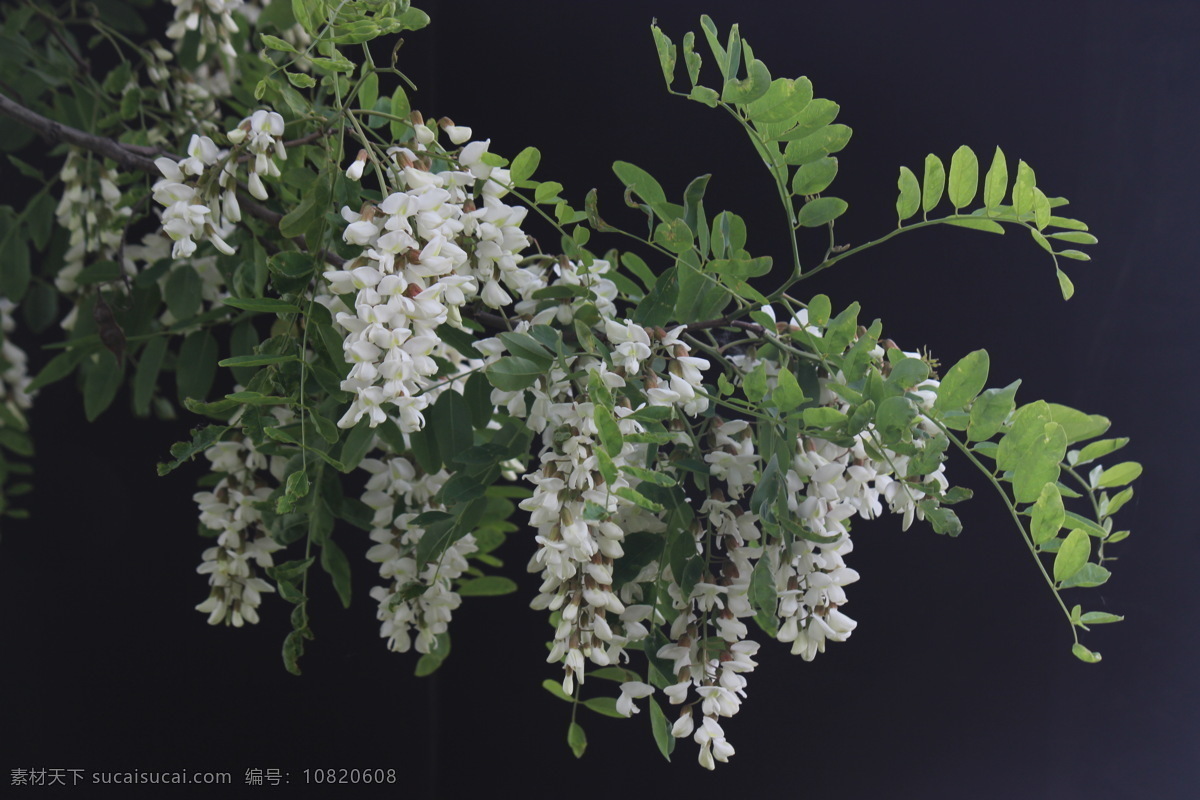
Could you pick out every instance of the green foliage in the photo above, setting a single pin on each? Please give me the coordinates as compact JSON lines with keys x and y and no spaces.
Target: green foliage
{"x":730,"y":408}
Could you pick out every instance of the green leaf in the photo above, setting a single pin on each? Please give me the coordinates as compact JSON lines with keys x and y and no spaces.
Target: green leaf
{"x":818,"y":144}
{"x":893,"y":417}
{"x":101,"y":380}
{"x":266,"y":305}
{"x":577,"y":739}
{"x":525,"y":164}
{"x":146,"y":377}
{"x":399,"y":108}
{"x":300,"y":80}
{"x":816,"y":115}
{"x":1022,"y":191}
{"x":815,"y":176}
{"x":1064,"y":284}
{"x":822,"y":417}
{"x":488,"y":586}
{"x":1048,"y":515}
{"x":787,"y":394}
{"x":256,"y":360}
{"x":964,"y":177}
{"x":819,"y":309}
{"x":741,"y":268}
{"x":430,"y":662}
{"x":705,"y":95}
{"x":202,"y":439}
{"x":963,"y":382}
{"x":661,"y":728}
{"x":1041,"y":209}
{"x":1078,"y":425}
{"x":995,"y":183}
{"x":908,"y":372}
{"x":1099,"y":618}
{"x":104,"y":271}
{"x":1074,"y":553}
{"x":1085,"y":655}
{"x":555,"y":688}
{"x":512,"y":374}
{"x":990,"y":410}
{"x":821,"y":211}
{"x":547,"y":192}
{"x":1038,"y":463}
{"x":603,"y":705}
{"x":782,"y":101}
{"x":746,"y":90}
{"x":1120,"y":499}
{"x":368,"y":93}
{"x":988,"y":225}
{"x":1119,"y":474}
{"x":666,"y":60}
{"x":934,"y":183}
{"x":334,"y":562}
{"x":658,"y":305}
{"x":640,"y":181}
{"x":943,"y":520}
{"x":691,"y":58}
{"x":1090,"y":576}
{"x":183,"y":292}
{"x":909,"y":201}
{"x":196,"y":366}
{"x":1076,"y":237}
{"x":1099,"y":449}
{"x":638,"y":499}
{"x":450,"y":419}
{"x":674,"y":235}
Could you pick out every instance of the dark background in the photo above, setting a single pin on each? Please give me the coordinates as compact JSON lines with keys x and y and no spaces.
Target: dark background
{"x":959,"y":679}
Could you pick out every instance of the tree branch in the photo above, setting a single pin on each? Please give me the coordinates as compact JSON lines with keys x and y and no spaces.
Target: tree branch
{"x":57,"y":132}
{"x":132,"y":156}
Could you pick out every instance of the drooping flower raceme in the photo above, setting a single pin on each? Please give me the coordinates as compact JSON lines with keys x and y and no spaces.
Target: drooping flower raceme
{"x":14,"y":371}
{"x":195,"y":206}
{"x":212,"y":19}
{"x":418,"y":597}
{"x":428,"y":249}
{"x":243,"y":548}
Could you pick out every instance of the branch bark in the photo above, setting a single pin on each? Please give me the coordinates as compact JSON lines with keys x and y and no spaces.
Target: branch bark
{"x":57,"y":132}
{"x":133,"y":156}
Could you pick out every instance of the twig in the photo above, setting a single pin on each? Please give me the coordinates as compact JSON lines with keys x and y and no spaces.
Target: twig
{"x":57,"y":132}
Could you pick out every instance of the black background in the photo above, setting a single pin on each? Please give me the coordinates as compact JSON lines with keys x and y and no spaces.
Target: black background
{"x":959,"y":679}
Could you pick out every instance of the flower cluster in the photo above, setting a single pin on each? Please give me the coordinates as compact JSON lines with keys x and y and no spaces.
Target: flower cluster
{"x":726,"y":564}
{"x":418,"y":596}
{"x":200,"y":204}
{"x":212,"y":19}
{"x":14,"y":373}
{"x":429,"y":248}
{"x":243,"y":548}
{"x":90,"y":211}
{"x":262,"y":133}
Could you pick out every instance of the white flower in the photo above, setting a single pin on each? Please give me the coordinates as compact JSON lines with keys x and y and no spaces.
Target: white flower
{"x":630,"y":691}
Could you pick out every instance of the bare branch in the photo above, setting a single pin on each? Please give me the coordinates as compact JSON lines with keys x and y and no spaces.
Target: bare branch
{"x":57,"y":132}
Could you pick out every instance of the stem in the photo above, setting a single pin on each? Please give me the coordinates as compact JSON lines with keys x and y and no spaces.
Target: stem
{"x":57,"y":132}
{"x":1012,"y":510}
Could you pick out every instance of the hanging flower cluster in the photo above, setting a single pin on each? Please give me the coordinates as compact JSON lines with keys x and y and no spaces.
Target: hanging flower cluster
{"x":418,"y":596}
{"x":14,"y":372}
{"x":243,"y":547}
{"x":428,"y":249}
{"x":200,"y":202}
{"x":212,"y":19}
{"x":593,"y":488}
{"x":91,"y":210}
